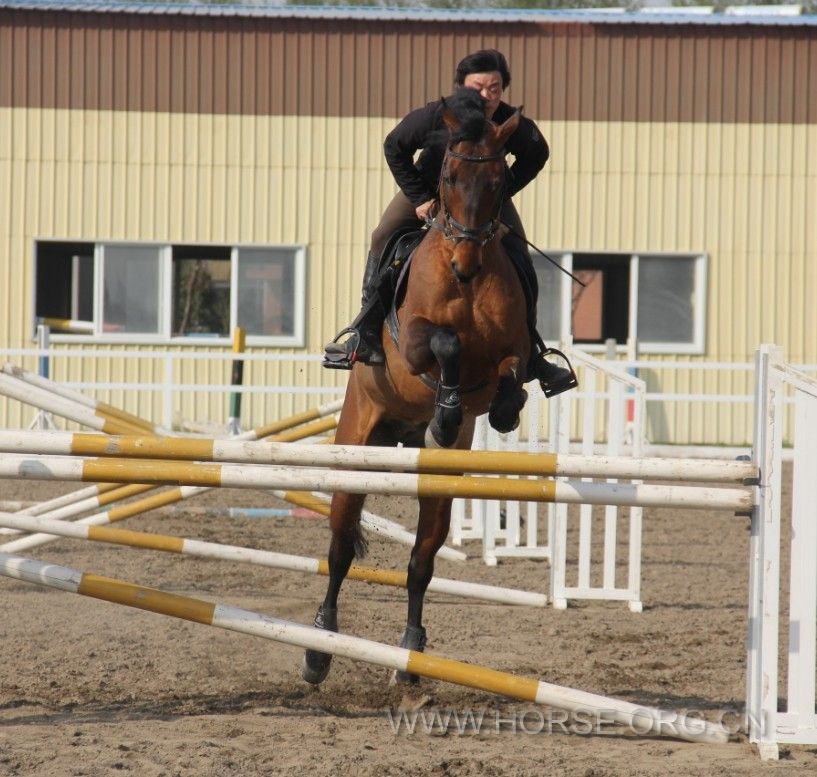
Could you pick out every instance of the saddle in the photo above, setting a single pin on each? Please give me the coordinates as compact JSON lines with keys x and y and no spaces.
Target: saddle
{"x":379,"y":296}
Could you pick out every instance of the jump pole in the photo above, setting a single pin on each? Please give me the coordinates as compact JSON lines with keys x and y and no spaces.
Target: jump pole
{"x":378,"y":458}
{"x":152,"y":502}
{"x":86,"y":505}
{"x":102,"y":409}
{"x":362,"y":482}
{"x":51,"y":403}
{"x":320,"y":503}
{"x":368,"y":520}
{"x":212,"y":550}
{"x":644,"y":720}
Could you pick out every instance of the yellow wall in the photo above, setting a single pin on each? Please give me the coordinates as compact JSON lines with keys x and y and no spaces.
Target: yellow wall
{"x":739,"y":193}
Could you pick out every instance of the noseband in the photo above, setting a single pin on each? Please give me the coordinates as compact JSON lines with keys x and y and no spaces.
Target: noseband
{"x":451,"y":228}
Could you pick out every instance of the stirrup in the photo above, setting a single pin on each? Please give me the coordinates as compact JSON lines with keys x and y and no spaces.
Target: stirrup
{"x":344,"y":356}
{"x":557,"y":384}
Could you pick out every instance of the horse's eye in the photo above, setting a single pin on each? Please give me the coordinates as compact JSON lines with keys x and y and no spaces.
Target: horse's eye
{"x":450,"y":180}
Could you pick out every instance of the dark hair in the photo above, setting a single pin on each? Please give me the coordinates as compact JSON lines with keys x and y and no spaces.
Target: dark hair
{"x":484,"y":61}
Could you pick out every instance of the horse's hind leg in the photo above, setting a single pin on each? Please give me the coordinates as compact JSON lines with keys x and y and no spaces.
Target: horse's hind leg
{"x":347,"y":541}
{"x":510,"y":397}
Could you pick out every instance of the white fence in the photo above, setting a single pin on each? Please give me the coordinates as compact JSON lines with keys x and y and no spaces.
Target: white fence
{"x":609,"y":411}
{"x":796,"y":722}
{"x":686,"y":403}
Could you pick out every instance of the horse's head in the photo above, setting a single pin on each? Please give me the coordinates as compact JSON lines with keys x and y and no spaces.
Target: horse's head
{"x":472,"y":180}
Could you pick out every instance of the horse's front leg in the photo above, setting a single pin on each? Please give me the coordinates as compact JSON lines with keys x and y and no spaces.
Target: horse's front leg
{"x":510,"y":397}
{"x":424,"y":344}
{"x":347,"y":541}
{"x":432,"y":529}
{"x":358,"y":422}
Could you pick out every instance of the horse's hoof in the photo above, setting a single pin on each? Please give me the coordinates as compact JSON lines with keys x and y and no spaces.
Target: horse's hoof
{"x":414,"y":638}
{"x":437,"y":438}
{"x":316,"y":665}
{"x":403,"y":678}
{"x":503,"y":424}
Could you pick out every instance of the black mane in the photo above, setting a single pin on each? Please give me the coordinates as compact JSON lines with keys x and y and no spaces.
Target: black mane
{"x":468,"y":107}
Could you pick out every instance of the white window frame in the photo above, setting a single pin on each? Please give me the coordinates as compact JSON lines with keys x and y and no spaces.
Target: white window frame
{"x":164,"y":334}
{"x":695,"y":347}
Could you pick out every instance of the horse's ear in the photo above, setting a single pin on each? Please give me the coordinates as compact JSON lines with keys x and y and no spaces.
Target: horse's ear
{"x":448,"y":117}
{"x":507,"y":128}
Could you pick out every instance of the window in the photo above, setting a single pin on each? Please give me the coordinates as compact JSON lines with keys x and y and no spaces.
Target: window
{"x":658,"y":299}
{"x":138,"y":292}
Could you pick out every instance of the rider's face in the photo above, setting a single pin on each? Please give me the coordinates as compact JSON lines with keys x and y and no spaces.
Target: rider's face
{"x":489,"y":85}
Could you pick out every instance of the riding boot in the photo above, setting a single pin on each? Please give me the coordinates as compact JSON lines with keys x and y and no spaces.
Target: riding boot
{"x":364,"y":343}
{"x":552,"y":378}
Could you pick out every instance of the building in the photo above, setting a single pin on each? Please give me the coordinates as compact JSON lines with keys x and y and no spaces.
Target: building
{"x":168,"y":172}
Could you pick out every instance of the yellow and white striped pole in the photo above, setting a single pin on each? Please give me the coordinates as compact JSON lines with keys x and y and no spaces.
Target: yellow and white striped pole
{"x":369,"y":521}
{"x":170,"y":496}
{"x":644,"y":720}
{"x":66,"y":408}
{"x":91,"y":503}
{"x":102,"y":409}
{"x":276,"y":427}
{"x":201,"y":549}
{"x":376,"y":458}
{"x":363,"y":482}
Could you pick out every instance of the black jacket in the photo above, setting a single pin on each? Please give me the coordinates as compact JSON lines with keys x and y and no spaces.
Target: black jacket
{"x":419,"y":181}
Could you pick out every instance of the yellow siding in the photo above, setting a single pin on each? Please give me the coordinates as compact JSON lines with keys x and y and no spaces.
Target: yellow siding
{"x":739,"y":192}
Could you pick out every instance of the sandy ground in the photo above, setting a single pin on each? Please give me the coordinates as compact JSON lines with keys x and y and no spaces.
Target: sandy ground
{"x":92,"y":688}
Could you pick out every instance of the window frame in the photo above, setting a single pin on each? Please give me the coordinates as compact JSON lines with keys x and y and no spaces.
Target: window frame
{"x":695,"y":347}
{"x":164,"y":334}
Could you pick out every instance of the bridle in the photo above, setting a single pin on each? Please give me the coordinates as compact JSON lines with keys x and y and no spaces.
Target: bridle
{"x":451,"y":228}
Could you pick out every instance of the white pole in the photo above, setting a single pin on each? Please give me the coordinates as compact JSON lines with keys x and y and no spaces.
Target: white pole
{"x":201,"y":549}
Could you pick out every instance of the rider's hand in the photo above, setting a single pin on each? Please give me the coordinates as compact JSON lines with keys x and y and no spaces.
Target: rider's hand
{"x":422,"y":211}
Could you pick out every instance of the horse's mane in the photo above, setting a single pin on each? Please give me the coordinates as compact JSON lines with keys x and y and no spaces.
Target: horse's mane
{"x":468,"y":107}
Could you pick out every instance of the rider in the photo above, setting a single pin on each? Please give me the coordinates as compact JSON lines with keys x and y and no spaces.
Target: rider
{"x":416,"y":200}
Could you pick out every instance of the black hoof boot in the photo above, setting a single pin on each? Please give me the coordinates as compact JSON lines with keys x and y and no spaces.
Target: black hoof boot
{"x":413,"y":639}
{"x":316,"y":665}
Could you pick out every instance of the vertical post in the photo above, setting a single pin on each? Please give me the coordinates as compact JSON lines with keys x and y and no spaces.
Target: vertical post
{"x":586,"y":511}
{"x":764,"y":557}
{"x":636,"y":513}
{"x":236,"y":379}
{"x":558,"y":547}
{"x":803,"y":574}
{"x":43,"y":420}
{"x":168,"y":393}
{"x":632,"y":355}
{"x":43,"y":342}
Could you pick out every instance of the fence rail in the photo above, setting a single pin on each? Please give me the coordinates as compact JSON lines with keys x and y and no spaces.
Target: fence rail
{"x":185,"y":386}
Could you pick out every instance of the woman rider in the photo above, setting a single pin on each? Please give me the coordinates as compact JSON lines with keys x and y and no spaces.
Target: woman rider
{"x":487,"y":72}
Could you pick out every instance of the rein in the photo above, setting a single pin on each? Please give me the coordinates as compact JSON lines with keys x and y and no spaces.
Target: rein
{"x":452,"y":229}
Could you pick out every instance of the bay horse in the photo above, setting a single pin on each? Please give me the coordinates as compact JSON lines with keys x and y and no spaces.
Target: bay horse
{"x":461,"y":351}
